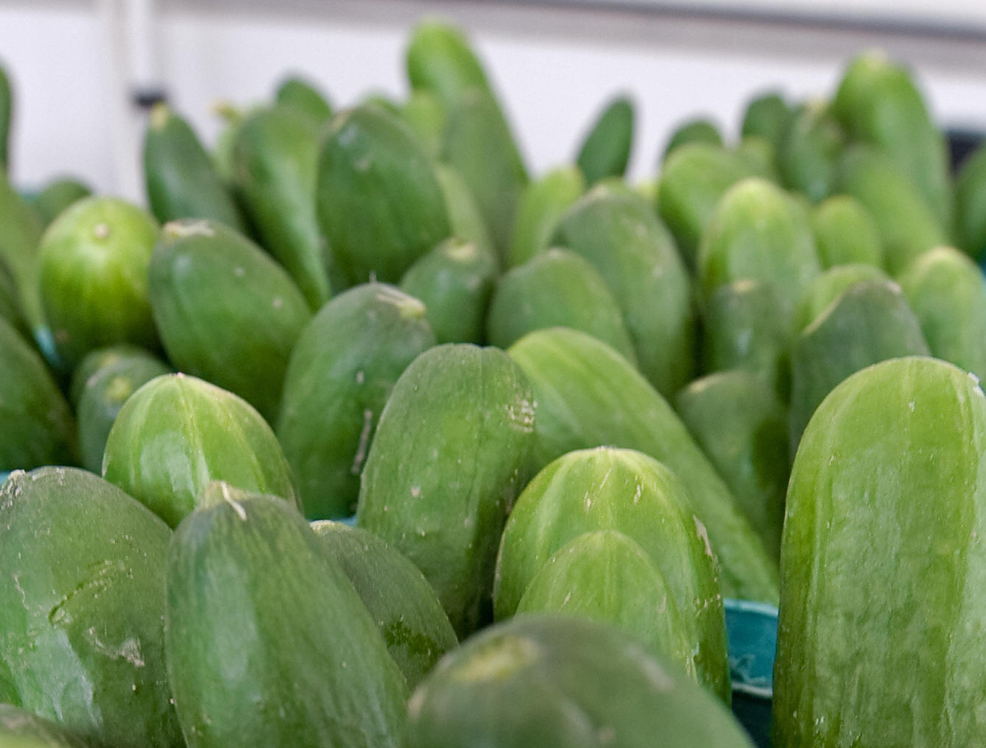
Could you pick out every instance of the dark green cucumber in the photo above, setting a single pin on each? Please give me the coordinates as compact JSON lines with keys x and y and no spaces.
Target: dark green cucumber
{"x":947,"y":293}
{"x":829,"y":286}
{"x":758,"y":232}
{"x":275,"y":157}
{"x":20,"y":235}
{"x":845,"y":233}
{"x":302,"y":96}
{"x":222,"y":153}
{"x":81,"y":611}
{"x":455,"y":281}
{"x":881,"y":616}
{"x":103,"y":394}
{"x":606,"y":576}
{"x":6,"y":111}
{"x":57,"y":195}
{"x":870,"y":322}
{"x":340,"y":375}
{"x":444,"y":468}
{"x":589,"y":396}
{"x":93,"y":362}
{"x":618,"y":233}
{"x":177,"y":434}
{"x":738,"y":420}
{"x":767,"y":116}
{"x":557,"y":288}
{"x":626,"y":491}
{"x":22,"y":729}
{"x":693,"y":131}
{"x":10,"y":302}
{"x":808,"y":156}
{"x":465,"y":219}
{"x":225,"y":310}
{"x":267,"y":642}
{"x":542,"y":203}
{"x":562,"y":682}
{"x":378,"y":201}
{"x":402,"y":603}
{"x":424,"y":113}
{"x":606,"y":148}
{"x":970,"y":205}
{"x":180,"y":178}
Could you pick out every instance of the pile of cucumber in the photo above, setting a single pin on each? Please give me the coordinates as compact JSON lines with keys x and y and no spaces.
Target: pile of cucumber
{"x":362,"y":437}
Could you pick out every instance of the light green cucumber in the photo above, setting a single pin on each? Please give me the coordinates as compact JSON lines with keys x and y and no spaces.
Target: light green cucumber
{"x":970,"y":205}
{"x":606,"y":148}
{"x":542,"y":203}
{"x":829,"y":286}
{"x":767,"y":116}
{"x":465,"y":219}
{"x":845,"y":233}
{"x":699,"y":130}
{"x":304,"y":97}
{"x":808,"y":156}
{"x":424,"y":113}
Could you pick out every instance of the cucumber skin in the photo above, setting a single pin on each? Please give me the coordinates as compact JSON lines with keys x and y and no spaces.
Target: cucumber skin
{"x":304,"y":97}
{"x":440,"y":60}
{"x":20,"y":236}
{"x":845,"y":233}
{"x":21,"y":729}
{"x":6,"y":107}
{"x":424,"y":490}
{"x":808,"y":157}
{"x":541,"y":204}
{"x":693,"y":131}
{"x":605,"y":152}
{"x":341,"y":373}
{"x":303,"y":663}
{"x":96,"y":360}
{"x":896,"y":591}
{"x":829,"y":286}
{"x":226,"y":312}
{"x":81,"y":636}
{"x":464,"y":216}
{"x":588,"y":396}
{"x":970,"y":205}
{"x":767,"y":116}
{"x":57,"y":196}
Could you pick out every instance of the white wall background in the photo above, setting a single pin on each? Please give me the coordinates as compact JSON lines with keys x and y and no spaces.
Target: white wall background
{"x":554,"y":70}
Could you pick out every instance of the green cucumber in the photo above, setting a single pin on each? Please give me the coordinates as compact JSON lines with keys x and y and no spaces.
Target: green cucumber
{"x":761,"y":156}
{"x":225,"y":310}
{"x":557,"y":288}
{"x":606,"y":576}
{"x":947,"y":293}
{"x":623,"y":490}
{"x":20,"y":235}
{"x":562,"y":682}
{"x":444,"y":468}
{"x":881,"y":617}
{"x":222,"y":153}
{"x":10,"y":302}
{"x":542,"y":203}
{"x":302,"y":96}
{"x":424,"y":113}
{"x":275,"y":157}
{"x":93,"y":276}
{"x":440,"y":60}
{"x":6,"y":111}
{"x":738,"y":420}
{"x":464,"y":216}
{"x":693,"y":131}
{"x":455,"y":281}
{"x":767,"y":116}
{"x":103,"y":394}
{"x":621,"y":237}
{"x":606,"y":148}
{"x":378,"y":201}
{"x":845,"y":233}
{"x":57,"y":195}
{"x":809,"y":153}
{"x":970,"y":205}
{"x":180,"y":178}
{"x":868,"y":323}
{"x":829,"y":286}
{"x":96,"y":360}
{"x":81,"y":639}
{"x":21,"y":729}
{"x":402,"y":603}
{"x":758,"y":232}
{"x":589,"y":396}
{"x":267,"y":642}
{"x":177,"y":434}
{"x":38,"y":428}
{"x":340,"y":375}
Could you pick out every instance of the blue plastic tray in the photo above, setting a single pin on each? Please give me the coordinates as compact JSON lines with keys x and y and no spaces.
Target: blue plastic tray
{"x":752,"y":632}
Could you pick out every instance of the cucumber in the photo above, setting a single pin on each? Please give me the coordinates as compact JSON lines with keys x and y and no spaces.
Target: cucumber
{"x":589,"y":396}
{"x":606,"y":576}
{"x":304,"y":97}
{"x":10,"y":302}
{"x":466,"y":220}
{"x":225,"y":310}
{"x":455,"y":281}
{"x":767,"y":116}
{"x":881,"y":621}
{"x":947,"y":293}
{"x":970,"y":205}
{"x":808,"y":155}
{"x":402,"y":603}
{"x":845,"y":233}
{"x":761,"y":156}
{"x":298,"y":656}
{"x":443,"y":469}
{"x":758,"y":232}
{"x":177,"y":434}
{"x":424,"y":114}
{"x":96,"y":360}
{"x":870,"y":322}
{"x":556,"y":288}
{"x":378,"y":201}
{"x":626,"y":491}
{"x":20,"y":235}
{"x":606,"y":148}
{"x":81,"y":639}
{"x":542,"y":203}
{"x":739,"y":422}
{"x":693,"y":131}
{"x":562,"y":682}
{"x":440,"y":60}
{"x":93,"y":276}
{"x":222,"y":153}
{"x":102,"y":396}
{"x":829,"y":286}
{"x":340,"y":375}
{"x":21,"y":729}
{"x":57,"y":195}
{"x":275,"y":154}
{"x":6,"y":110}
{"x":635,"y":254}
{"x":180,"y":178}
{"x":38,"y":428}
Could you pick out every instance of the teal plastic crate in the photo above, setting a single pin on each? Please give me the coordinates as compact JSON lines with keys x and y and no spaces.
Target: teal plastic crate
{"x":751,"y":629}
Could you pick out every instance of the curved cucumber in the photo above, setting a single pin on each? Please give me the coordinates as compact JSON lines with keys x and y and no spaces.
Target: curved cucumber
{"x":845,"y":233}
{"x":808,"y":156}
{"x":20,"y":235}
{"x":340,"y":375}
{"x":882,"y":560}
{"x":829,"y":286}
{"x":21,"y":729}
{"x":81,"y":639}
{"x":605,"y":151}
{"x":692,"y":131}
{"x":589,"y":396}
{"x":970,"y":205}
{"x":440,"y":60}
{"x":402,"y":603}
{"x":443,"y":469}
{"x":542,"y":203}
{"x":225,"y":310}
{"x":177,"y":434}
{"x":57,"y":195}
{"x":302,"y":96}
{"x":298,"y":656}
